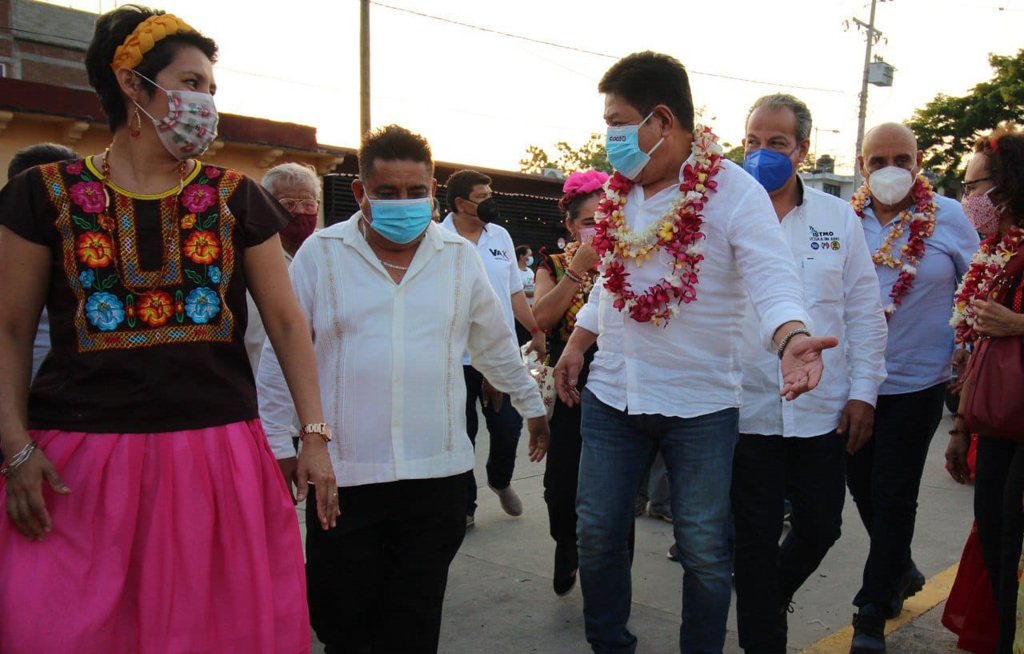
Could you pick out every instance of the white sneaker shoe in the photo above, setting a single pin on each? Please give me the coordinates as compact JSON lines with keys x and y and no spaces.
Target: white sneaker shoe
{"x":510,"y":501}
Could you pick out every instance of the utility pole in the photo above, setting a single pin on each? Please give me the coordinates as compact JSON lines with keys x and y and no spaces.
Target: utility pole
{"x":862,"y":116}
{"x":364,"y":68}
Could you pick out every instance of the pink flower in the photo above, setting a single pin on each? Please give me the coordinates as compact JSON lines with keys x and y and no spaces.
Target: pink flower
{"x":89,"y":196}
{"x":198,"y":197}
{"x":74,"y":168}
{"x":211,"y":172}
{"x":583,"y":182}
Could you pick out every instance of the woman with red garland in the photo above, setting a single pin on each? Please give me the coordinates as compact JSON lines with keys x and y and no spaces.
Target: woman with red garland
{"x":563,"y":284}
{"x":139,"y":486}
{"x":988,"y":307}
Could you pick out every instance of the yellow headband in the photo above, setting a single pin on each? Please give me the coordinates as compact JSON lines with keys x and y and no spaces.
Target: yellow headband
{"x":144,"y":37}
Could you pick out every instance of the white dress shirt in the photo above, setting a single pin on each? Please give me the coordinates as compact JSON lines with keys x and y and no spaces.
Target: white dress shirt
{"x":841,"y":291}
{"x":389,"y":355}
{"x":691,"y":367}
{"x":255,"y":333}
{"x":498,"y":253}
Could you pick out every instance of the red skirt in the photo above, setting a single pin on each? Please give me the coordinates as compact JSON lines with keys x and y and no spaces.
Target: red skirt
{"x":971,"y":611}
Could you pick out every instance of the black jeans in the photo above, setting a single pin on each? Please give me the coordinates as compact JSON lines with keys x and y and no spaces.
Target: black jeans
{"x":504,"y":426}
{"x":376,"y":582}
{"x":998,"y":488}
{"x":884,"y":477}
{"x":561,"y":473}
{"x":766,"y":471}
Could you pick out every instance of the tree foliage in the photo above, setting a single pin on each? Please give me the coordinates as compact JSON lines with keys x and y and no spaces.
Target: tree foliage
{"x":590,"y":155}
{"x":948,"y":126}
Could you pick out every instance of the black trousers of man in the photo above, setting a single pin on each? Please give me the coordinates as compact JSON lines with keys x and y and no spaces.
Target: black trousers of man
{"x":376,"y":582}
{"x":884,"y":477}
{"x":768,"y":470}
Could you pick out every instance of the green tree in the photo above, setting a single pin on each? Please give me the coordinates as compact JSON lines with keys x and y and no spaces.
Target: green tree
{"x":568,"y":158}
{"x":948,"y":126}
{"x":733,"y":153}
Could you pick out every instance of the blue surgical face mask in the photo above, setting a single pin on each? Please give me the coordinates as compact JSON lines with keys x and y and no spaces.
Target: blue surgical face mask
{"x":529,"y":261}
{"x":400,"y":221}
{"x":623,"y":148}
{"x":770,"y":167}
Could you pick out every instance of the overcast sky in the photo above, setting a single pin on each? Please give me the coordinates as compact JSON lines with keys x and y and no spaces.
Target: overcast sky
{"x":481,"y":98}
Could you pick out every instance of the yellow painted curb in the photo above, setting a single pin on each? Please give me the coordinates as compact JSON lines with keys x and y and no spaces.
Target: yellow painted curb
{"x":934,"y":592}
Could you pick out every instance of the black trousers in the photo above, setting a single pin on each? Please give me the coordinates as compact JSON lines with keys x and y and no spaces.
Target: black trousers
{"x":884,"y":477}
{"x":504,"y":427}
{"x":998,"y":488}
{"x":376,"y":582}
{"x":767,"y":470}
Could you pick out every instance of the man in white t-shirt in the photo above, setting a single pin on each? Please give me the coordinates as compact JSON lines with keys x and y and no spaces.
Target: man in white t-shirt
{"x":474,"y":212}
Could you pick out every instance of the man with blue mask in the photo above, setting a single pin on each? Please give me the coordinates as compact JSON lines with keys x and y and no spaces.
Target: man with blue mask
{"x":796,"y":450}
{"x":673,"y":383}
{"x":922,"y":244}
{"x":474,"y":213}
{"x":393,"y":300}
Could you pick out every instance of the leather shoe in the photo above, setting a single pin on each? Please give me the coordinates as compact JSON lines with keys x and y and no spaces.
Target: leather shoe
{"x":868,"y":631}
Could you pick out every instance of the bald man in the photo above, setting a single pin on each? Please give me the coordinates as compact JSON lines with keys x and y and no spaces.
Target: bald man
{"x":884,"y":474}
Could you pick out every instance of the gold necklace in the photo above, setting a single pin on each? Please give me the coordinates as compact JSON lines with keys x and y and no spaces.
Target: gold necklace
{"x":105,"y":171}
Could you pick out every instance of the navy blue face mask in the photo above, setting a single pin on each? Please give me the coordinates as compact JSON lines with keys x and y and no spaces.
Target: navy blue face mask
{"x":769,"y":167}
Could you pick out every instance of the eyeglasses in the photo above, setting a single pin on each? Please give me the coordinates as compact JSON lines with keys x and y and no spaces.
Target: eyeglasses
{"x":968,"y":184}
{"x":307,"y":206}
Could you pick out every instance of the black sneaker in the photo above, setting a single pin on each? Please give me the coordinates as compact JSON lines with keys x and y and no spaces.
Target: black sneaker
{"x":910,"y":584}
{"x":868,"y":632}
{"x":566,"y":564}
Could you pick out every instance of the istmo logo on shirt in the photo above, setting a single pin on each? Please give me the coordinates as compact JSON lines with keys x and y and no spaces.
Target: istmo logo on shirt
{"x":826,"y":240}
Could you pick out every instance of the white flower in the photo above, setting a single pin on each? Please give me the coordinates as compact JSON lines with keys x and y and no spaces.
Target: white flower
{"x":909,"y":269}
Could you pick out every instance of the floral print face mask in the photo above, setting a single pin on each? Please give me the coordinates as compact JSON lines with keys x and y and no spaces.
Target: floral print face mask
{"x":190,"y":125}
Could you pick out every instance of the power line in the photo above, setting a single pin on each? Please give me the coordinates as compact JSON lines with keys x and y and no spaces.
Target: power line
{"x":588,"y":52}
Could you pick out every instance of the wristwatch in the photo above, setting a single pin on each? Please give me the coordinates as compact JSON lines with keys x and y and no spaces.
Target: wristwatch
{"x":319,"y":428}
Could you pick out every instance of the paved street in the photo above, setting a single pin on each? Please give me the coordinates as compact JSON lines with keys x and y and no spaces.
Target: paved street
{"x":500,"y":599}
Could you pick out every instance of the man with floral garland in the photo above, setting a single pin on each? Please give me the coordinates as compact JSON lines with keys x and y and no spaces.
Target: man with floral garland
{"x":921,"y":244}
{"x":684,"y":236}
{"x":797,"y":450}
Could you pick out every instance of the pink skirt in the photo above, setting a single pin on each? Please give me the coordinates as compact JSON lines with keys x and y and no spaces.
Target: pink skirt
{"x":181,"y":542}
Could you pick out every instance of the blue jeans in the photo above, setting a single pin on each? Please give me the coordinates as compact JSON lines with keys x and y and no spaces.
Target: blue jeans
{"x":698,"y":456}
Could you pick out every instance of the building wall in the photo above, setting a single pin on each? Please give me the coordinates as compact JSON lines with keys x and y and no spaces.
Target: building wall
{"x":828,"y":182}
{"x":45,"y":43}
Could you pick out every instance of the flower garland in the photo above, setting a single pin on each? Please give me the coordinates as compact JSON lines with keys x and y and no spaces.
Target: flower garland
{"x":677,"y":231}
{"x":986,"y":265}
{"x":919,"y":218}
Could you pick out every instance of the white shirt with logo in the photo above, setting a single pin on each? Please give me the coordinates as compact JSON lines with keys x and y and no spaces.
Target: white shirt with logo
{"x":827,"y":243}
{"x":498,"y":253}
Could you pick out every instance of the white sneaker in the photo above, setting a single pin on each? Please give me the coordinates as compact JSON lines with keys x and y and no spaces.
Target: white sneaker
{"x":510,"y":501}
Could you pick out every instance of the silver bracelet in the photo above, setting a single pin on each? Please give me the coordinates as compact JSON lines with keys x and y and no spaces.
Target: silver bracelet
{"x":18,"y":459}
{"x":788,"y":337}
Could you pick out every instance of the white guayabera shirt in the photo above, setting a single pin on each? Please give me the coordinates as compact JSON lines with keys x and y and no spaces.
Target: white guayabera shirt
{"x":841,"y":290}
{"x":389,"y":355}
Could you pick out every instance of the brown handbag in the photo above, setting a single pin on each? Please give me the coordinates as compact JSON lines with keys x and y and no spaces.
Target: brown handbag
{"x":995,"y":386}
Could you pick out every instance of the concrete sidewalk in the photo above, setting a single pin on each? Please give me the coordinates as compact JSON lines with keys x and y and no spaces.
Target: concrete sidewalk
{"x":500,"y":600}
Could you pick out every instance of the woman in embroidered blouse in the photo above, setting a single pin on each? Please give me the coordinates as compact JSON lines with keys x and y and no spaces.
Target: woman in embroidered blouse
{"x":174,"y":530}
{"x":994,"y":201}
{"x":563,"y":283}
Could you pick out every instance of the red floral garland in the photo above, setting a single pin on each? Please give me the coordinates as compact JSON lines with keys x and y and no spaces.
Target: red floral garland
{"x":680,"y":236}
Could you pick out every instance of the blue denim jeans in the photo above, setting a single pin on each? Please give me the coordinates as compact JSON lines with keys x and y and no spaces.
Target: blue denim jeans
{"x":698,"y":456}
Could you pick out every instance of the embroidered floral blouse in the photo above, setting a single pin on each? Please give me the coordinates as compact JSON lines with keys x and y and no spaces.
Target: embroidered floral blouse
{"x":146,"y":299}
